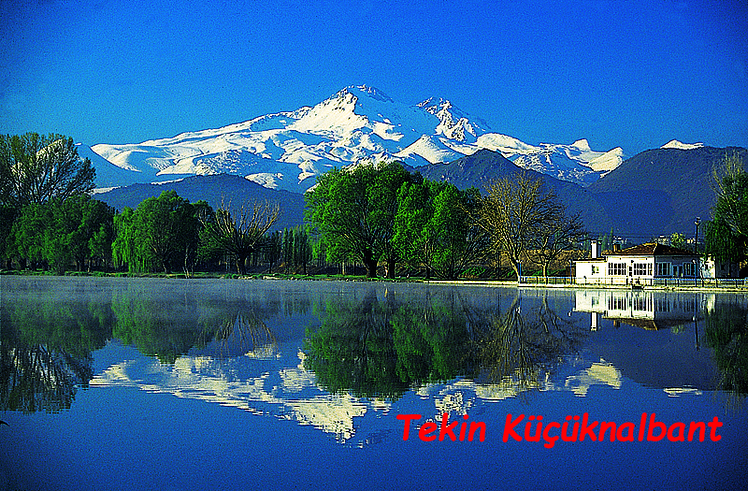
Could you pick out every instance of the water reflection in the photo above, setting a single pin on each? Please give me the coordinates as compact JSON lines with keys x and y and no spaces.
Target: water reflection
{"x":523,"y":343}
{"x":727,"y":334}
{"x":374,"y":348}
{"x":46,"y":351}
{"x":335,"y":356}
{"x":646,"y":309}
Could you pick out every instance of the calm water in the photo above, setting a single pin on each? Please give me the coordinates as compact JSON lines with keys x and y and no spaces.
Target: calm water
{"x":208,"y":384}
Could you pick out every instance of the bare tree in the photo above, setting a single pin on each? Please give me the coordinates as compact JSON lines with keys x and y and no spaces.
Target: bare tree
{"x":242,"y":235}
{"x":555,"y":237}
{"x":514,"y":212}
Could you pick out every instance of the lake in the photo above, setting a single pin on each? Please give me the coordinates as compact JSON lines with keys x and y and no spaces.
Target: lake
{"x":127,"y":383}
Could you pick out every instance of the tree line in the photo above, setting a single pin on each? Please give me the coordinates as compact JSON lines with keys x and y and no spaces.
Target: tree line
{"x":48,"y":220}
{"x":380,"y":216}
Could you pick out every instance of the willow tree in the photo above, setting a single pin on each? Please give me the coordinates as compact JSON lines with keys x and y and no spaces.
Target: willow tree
{"x":238,"y":235}
{"x":434,"y":227}
{"x":161,"y":233}
{"x":727,"y":234}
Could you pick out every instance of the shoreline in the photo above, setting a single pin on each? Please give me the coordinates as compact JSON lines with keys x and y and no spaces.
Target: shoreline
{"x":351,"y":278}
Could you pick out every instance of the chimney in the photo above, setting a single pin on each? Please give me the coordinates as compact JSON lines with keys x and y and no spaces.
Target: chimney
{"x":595,"y":249}
{"x":616,"y":247}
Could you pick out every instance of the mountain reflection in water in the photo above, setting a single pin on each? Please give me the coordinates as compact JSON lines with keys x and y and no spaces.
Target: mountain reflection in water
{"x":324,"y":354}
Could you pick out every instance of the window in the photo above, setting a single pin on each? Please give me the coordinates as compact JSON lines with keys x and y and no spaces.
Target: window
{"x":642,"y":269}
{"x":688,"y":269}
{"x":663,"y":269}
{"x":616,"y":269}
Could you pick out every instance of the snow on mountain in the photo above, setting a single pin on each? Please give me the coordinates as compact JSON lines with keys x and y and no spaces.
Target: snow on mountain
{"x":607,"y":161}
{"x":453,"y":123}
{"x":287,"y":150}
{"x":428,"y":149}
{"x":682,"y":146}
{"x":576,"y":162}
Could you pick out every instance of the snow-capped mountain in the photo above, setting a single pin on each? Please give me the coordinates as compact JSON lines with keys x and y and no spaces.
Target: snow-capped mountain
{"x":358,"y":124}
{"x":682,"y":146}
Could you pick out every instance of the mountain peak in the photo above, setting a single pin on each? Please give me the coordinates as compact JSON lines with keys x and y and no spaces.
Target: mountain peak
{"x":582,"y":144}
{"x":682,"y":146}
{"x":454,"y":123}
{"x":358,"y":123}
{"x":366,"y":90}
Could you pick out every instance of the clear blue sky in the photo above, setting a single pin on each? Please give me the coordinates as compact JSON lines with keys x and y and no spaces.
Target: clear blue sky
{"x":619,"y":73}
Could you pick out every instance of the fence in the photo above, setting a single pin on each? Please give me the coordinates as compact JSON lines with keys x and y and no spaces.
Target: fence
{"x":665,"y":282}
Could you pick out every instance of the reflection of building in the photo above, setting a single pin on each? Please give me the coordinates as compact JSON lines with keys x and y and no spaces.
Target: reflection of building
{"x":647,"y":309}
{"x":636,"y":265}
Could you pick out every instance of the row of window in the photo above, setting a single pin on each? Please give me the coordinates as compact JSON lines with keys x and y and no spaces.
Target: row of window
{"x":645,"y":269}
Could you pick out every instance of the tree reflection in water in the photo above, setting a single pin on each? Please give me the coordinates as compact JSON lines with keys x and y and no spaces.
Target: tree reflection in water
{"x":353,"y":351}
{"x":375,"y":348}
{"x":727,"y":333}
{"x":245,"y":333}
{"x":45,"y":352}
{"x":370,"y":344}
{"x":520,"y":345}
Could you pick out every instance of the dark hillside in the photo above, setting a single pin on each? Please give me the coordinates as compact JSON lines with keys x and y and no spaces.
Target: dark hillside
{"x":661,"y":191}
{"x":233,"y":189}
{"x":484,"y":166}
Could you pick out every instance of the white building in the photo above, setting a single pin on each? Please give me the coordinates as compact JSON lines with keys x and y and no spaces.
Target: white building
{"x":638,"y":265}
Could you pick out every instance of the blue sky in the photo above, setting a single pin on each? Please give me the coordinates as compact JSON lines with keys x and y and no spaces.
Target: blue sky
{"x":619,"y":73}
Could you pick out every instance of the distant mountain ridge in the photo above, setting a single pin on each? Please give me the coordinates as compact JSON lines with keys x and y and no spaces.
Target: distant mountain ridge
{"x":286,"y":150}
{"x":233,"y":191}
{"x":666,"y":188}
{"x":656,"y":192}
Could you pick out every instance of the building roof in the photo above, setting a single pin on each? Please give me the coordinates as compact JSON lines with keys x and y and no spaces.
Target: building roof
{"x":651,"y":249}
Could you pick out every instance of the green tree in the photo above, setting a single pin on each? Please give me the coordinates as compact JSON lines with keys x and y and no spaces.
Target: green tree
{"x":274,"y":248}
{"x":36,"y":169}
{"x":678,"y":240}
{"x":722,"y":243}
{"x":162,"y":233}
{"x":299,"y":248}
{"x":415,"y":209}
{"x":727,"y":235}
{"x":26,"y":240}
{"x":455,"y":238}
{"x":354,"y":210}
{"x":129,"y":245}
{"x":7,"y":217}
{"x":85,"y":228}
